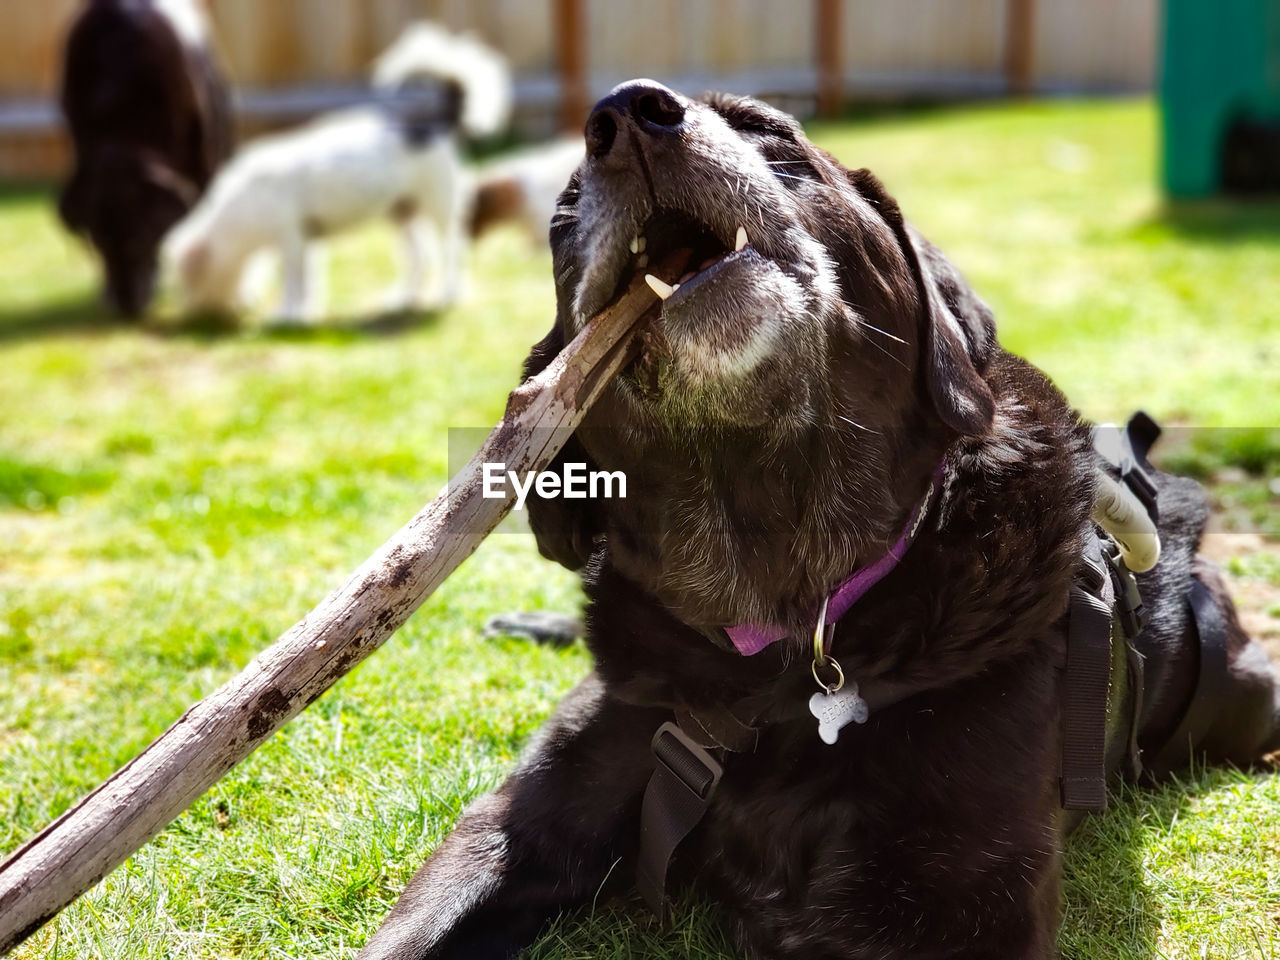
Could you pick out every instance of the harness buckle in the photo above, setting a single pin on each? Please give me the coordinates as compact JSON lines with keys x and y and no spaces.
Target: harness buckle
{"x":1129,"y":608}
{"x":680,"y":789}
{"x":1126,"y":451}
{"x":687,"y":761}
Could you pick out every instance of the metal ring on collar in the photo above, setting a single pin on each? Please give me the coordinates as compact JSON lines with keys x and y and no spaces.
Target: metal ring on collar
{"x":828,"y":661}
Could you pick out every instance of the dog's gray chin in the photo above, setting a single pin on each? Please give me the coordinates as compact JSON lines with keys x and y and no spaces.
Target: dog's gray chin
{"x":729,"y":319}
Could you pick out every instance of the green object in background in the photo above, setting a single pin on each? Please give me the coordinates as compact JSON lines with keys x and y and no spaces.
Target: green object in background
{"x":1221,"y":63}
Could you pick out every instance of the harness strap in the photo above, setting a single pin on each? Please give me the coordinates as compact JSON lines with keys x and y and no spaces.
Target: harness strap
{"x":1211,"y":684}
{"x":685,"y":776}
{"x":1135,"y":671}
{"x":684,"y":779}
{"x":1141,"y":433}
{"x":1087,"y":685}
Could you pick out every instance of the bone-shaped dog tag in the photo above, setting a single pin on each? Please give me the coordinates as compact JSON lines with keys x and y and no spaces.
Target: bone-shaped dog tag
{"x":835,"y":711}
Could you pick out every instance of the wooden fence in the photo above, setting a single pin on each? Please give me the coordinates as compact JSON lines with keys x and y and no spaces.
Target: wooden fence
{"x":872,"y":48}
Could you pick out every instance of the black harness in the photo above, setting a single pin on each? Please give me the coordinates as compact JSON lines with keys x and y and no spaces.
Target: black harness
{"x":1102,"y":684}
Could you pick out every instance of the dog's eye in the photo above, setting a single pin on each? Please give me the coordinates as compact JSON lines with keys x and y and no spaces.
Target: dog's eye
{"x":763,"y":126}
{"x":754,"y":118}
{"x":790,"y":165}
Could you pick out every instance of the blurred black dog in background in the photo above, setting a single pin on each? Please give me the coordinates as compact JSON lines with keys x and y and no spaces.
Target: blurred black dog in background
{"x":150,"y":121}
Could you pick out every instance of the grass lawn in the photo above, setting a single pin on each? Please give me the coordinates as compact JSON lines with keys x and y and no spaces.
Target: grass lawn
{"x":171,"y":499}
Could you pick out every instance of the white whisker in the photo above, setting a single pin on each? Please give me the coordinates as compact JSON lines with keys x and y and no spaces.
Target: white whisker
{"x":896,"y":359}
{"x":856,"y":424}
{"x":883,"y":333}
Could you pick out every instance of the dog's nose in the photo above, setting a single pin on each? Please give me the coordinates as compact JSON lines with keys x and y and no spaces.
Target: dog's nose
{"x":642,"y":105}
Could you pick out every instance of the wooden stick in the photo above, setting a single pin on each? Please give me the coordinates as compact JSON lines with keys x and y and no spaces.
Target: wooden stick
{"x":91,"y":839}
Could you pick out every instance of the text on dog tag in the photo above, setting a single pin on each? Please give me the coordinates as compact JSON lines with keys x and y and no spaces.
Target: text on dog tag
{"x":835,"y":711}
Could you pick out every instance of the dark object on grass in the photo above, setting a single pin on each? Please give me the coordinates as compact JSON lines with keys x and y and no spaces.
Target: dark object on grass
{"x":150,"y":122}
{"x":1218,"y":72}
{"x":554,"y":629}
{"x":1251,"y":157}
{"x":782,"y":430}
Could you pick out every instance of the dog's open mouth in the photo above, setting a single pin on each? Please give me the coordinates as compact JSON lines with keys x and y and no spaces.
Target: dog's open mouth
{"x":712,"y":262}
{"x":667,"y":231}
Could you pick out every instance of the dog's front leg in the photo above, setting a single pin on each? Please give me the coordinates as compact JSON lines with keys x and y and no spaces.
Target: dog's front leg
{"x":415,"y":243}
{"x":453,"y":248}
{"x":296,"y":258}
{"x":546,"y":840}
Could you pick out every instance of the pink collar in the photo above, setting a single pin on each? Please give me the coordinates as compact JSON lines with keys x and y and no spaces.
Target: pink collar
{"x":750,"y":639}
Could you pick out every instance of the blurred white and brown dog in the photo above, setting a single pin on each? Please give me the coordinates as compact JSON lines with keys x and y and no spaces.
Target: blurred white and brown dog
{"x":524,"y":188}
{"x":284,"y":192}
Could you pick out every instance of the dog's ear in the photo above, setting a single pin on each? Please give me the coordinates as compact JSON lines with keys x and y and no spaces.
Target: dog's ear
{"x":959,"y":338}
{"x":958,"y":331}
{"x":566,"y":530}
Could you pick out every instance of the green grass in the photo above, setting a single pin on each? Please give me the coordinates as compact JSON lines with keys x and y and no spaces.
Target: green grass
{"x":172,"y":498}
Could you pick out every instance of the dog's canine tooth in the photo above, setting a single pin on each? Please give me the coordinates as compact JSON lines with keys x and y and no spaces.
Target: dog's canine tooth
{"x":635,"y":245}
{"x":641,"y":243}
{"x":643,"y":260}
{"x":740,"y":240}
{"x":659,"y":287}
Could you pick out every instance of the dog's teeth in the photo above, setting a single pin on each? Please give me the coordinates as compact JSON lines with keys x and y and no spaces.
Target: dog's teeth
{"x":643,"y":260}
{"x":635,"y":245}
{"x":641,"y":243}
{"x":662,"y":289}
{"x":740,"y":240}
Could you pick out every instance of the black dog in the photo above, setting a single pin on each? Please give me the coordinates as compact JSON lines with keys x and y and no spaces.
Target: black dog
{"x":150,"y":121}
{"x":826,"y":390}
